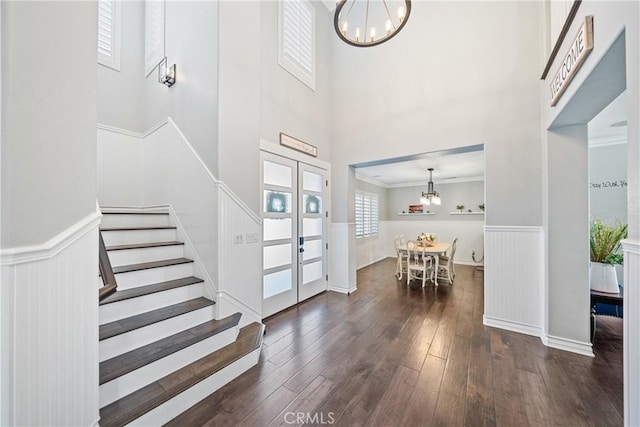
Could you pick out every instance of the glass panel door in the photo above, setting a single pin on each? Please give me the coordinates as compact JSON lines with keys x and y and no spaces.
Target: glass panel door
{"x":294,"y":232}
{"x":312,"y":231}
{"x":279,"y":233}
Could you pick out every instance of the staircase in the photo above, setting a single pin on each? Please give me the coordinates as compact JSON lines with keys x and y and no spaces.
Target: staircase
{"x":161,"y":348}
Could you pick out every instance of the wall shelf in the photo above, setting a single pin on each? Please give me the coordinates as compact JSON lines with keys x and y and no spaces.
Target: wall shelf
{"x":466,"y":213}
{"x":415,"y":213}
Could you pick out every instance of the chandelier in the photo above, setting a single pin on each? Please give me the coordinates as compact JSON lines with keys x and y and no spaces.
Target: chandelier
{"x":431,"y":196}
{"x":366,"y":23}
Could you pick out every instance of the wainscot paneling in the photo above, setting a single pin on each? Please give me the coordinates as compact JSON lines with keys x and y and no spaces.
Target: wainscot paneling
{"x":49,"y":309}
{"x":631,"y":332}
{"x":342,"y":254}
{"x":514,"y":278}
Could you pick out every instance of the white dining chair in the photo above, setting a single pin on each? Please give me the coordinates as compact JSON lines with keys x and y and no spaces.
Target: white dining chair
{"x":446,"y":269}
{"x":419,"y":265}
{"x":401,"y":256}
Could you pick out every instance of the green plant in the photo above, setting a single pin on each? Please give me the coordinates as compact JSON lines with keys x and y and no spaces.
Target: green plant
{"x":604,"y":241}
{"x":481,"y":207}
{"x":459,"y":207}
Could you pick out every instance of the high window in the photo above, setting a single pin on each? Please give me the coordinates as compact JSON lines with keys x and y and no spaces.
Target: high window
{"x":366,"y":214}
{"x":109,"y":22}
{"x":297,"y":39}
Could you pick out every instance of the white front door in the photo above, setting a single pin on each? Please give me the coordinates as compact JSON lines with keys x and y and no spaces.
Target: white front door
{"x":294,"y":228}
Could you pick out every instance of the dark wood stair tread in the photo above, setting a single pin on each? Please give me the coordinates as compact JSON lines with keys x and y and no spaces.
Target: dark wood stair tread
{"x":123,"y":364}
{"x":138,"y":403}
{"x":151,"y":227}
{"x":152,"y":264}
{"x":112,"y":329}
{"x":143,"y":245}
{"x":141,"y":291}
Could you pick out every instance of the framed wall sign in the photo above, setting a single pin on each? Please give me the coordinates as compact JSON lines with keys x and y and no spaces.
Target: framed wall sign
{"x":296,"y":144}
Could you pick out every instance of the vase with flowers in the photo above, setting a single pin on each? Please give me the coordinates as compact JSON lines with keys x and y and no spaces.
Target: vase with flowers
{"x":426,"y":239}
{"x":604,"y":245}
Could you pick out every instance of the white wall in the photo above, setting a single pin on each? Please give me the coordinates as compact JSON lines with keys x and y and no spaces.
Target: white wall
{"x":608,"y":183}
{"x":121,"y":93}
{"x":49,"y":254}
{"x":120,"y":168}
{"x":191,"y":42}
{"x":48,"y":118}
{"x":467,"y":90}
{"x":286,"y":104}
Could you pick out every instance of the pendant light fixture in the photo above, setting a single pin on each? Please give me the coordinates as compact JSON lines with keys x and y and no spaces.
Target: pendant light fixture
{"x":365,"y":23}
{"x":431,"y":196}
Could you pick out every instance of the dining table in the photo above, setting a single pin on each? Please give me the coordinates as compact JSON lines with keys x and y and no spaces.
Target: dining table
{"x":436,"y":249}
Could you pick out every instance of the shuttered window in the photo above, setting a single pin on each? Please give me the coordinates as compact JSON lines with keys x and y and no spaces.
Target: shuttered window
{"x":297,"y":39}
{"x":153,"y":34}
{"x":109,"y":22}
{"x":366,"y":214}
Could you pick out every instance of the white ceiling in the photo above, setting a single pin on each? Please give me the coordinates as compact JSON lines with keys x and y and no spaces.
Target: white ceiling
{"x":608,"y":127}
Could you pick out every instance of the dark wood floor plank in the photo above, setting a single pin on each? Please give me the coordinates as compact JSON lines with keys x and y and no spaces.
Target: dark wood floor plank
{"x":152,"y":264}
{"x":143,"y":245}
{"x":150,"y":289}
{"x":351,"y":357}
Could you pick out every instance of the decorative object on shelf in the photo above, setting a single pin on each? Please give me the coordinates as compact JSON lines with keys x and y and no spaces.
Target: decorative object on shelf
{"x":604,"y":242}
{"x":426,"y":239}
{"x":431,"y":196}
{"x":460,"y":207}
{"x":364,"y":23}
{"x":415,"y":208}
{"x":481,"y":206}
{"x":166,"y":73}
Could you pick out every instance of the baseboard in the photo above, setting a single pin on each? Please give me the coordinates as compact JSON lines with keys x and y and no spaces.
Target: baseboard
{"x":96,"y":423}
{"x":342,"y":290}
{"x":512,"y":326}
{"x":585,"y":349}
{"x":53,"y":246}
{"x":372,"y":262}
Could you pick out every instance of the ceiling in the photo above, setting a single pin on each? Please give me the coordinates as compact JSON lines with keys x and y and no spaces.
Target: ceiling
{"x":467,"y":164}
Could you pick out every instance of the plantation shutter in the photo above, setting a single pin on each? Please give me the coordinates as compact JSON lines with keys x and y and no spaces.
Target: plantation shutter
{"x":296,"y":51}
{"x":109,"y":33}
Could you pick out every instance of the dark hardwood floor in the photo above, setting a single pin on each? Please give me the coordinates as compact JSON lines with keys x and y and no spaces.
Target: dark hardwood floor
{"x":389,"y":355}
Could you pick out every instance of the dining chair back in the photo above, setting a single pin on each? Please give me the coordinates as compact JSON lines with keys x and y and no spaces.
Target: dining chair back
{"x":401,"y":256}
{"x":446,"y":269}
{"x":419,"y":264}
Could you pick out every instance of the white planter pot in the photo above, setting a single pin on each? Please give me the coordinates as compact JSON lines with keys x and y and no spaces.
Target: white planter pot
{"x":603,"y":278}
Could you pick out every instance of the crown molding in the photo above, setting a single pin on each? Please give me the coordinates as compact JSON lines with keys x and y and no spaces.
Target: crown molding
{"x":606,"y":141}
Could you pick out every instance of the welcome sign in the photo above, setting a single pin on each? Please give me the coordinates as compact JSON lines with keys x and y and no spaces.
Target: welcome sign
{"x":578,"y":52}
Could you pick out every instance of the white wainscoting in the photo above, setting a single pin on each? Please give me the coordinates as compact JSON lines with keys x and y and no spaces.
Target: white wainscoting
{"x":469,"y":234}
{"x":240,"y":265}
{"x":342,"y":257}
{"x":631,"y":339}
{"x":514,"y":278}
{"x":120,"y":167}
{"x":49,"y":309}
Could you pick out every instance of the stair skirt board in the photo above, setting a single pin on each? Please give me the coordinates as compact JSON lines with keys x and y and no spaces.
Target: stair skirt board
{"x":183,"y":401}
{"x":134,"y":219}
{"x":141,"y":255}
{"x":127,"y":237}
{"x":133,"y":279}
{"x":128,"y":341}
{"x":132,"y":381}
{"x":131,"y":307}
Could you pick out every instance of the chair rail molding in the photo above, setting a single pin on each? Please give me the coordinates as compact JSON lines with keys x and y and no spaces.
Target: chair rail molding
{"x":514,"y":278}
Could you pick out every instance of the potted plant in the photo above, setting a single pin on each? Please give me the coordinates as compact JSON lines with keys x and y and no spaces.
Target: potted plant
{"x":604,"y":242}
{"x":459,"y":207}
{"x":481,"y":206}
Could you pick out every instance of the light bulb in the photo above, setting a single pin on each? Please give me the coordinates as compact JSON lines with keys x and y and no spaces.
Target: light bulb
{"x":401,"y":13}
{"x":357,"y":34}
{"x":345,"y":26}
{"x":388,"y":26}
{"x":372,"y":33}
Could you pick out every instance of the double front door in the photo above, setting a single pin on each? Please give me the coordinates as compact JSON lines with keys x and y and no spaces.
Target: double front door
{"x":294,"y":228}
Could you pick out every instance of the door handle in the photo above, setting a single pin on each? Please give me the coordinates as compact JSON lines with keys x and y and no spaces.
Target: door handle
{"x":301,"y":241}
{"x":301,"y":250}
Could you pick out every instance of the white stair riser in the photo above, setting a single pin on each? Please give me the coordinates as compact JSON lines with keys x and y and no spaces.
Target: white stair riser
{"x":130,"y":307}
{"x":131,"y":340}
{"x":183,"y":401}
{"x":149,"y":276}
{"x":126,"y":384}
{"x":134,"y":220}
{"x":135,"y":256}
{"x":127,"y":237}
